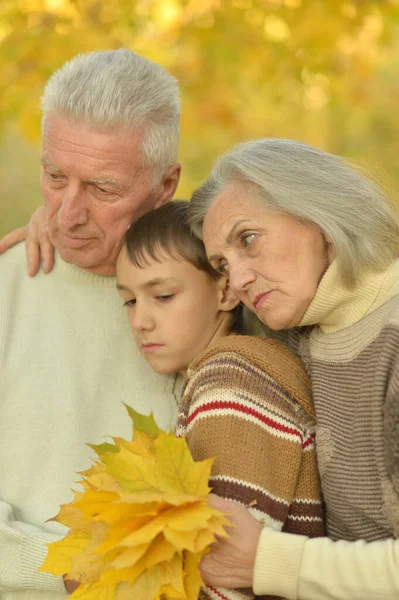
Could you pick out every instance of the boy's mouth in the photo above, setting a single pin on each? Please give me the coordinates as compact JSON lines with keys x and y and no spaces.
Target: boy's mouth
{"x":150,"y":347}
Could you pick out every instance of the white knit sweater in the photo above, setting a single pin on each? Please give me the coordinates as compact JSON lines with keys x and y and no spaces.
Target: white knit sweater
{"x":68,"y":361}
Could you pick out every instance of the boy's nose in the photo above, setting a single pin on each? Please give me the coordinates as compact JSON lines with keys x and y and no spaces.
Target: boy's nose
{"x":141,"y":320}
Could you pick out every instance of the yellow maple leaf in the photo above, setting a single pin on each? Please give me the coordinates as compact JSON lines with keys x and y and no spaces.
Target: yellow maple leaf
{"x":141,"y":524}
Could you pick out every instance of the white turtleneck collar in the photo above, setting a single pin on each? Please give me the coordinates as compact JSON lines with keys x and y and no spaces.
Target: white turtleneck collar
{"x":336,"y":307}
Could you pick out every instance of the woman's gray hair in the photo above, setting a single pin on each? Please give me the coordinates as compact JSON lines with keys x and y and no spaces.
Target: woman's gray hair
{"x":314,"y":187}
{"x":119,"y":88}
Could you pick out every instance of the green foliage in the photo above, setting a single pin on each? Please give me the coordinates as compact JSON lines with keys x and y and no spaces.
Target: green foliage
{"x":322,"y":71}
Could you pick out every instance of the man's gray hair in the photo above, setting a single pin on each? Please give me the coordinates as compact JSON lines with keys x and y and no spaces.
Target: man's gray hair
{"x":118,"y":88}
{"x":314,"y":187}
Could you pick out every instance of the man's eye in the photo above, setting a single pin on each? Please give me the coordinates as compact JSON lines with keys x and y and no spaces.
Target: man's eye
{"x":131,"y":302}
{"x":53,"y":176}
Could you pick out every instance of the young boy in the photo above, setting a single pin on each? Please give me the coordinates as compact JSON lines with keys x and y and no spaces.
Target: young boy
{"x":246,"y":400}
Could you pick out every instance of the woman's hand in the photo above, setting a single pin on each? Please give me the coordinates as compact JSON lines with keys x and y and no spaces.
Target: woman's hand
{"x":37,"y":242}
{"x":230,"y":564}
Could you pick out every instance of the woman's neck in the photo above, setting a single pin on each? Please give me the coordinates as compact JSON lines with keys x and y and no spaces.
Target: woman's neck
{"x":336,"y":307}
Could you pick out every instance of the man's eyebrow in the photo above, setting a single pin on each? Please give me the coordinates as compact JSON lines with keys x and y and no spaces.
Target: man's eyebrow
{"x":106,"y":180}
{"x":100,"y":181}
{"x":47,"y":163}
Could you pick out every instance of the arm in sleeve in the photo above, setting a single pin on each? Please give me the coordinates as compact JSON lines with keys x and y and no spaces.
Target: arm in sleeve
{"x":306,"y":515}
{"x":299,"y":568}
{"x":237,"y":416}
{"x":22,"y":551}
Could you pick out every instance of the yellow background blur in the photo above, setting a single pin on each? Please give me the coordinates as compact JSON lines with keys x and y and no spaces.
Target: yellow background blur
{"x":324,"y":72}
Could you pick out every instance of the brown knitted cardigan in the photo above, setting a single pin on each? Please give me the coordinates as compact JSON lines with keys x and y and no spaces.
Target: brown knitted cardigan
{"x":247,"y":402}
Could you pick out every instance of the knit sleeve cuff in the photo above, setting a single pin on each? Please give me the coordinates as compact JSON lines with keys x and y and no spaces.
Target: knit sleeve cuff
{"x":34,"y":551}
{"x":277,"y":564}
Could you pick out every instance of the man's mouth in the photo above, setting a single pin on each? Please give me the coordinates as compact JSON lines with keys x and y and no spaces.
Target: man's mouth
{"x":75,"y":241}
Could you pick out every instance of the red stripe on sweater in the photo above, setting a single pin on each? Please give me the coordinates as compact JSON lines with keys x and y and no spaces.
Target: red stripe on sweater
{"x":309,"y":441}
{"x":218,"y":404}
{"x":215,"y":591}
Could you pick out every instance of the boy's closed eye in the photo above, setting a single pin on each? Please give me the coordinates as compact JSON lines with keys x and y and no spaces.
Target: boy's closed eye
{"x":131,"y":302}
{"x":165,"y":297}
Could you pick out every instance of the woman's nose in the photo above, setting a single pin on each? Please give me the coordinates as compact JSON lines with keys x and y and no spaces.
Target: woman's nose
{"x":240,"y":277}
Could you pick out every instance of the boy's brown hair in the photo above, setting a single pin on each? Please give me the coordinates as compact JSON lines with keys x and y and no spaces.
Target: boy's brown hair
{"x":165,"y":231}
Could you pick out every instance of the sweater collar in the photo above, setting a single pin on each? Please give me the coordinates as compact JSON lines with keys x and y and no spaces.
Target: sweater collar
{"x":335,"y":307}
{"x":70,"y":272}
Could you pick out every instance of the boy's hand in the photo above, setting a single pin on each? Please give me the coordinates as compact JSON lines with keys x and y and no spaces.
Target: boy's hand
{"x":38,"y":245}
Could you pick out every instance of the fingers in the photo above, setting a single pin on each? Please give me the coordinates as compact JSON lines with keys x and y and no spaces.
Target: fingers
{"x":32,"y":250}
{"x":38,"y":245}
{"x":46,"y":250}
{"x":15,"y":237}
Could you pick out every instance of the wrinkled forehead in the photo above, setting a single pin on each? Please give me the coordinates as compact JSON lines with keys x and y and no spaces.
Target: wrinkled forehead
{"x":233,"y":207}
{"x":66,"y":141}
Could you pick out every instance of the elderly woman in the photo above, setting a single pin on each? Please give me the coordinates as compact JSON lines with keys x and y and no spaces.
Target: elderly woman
{"x":310,"y":245}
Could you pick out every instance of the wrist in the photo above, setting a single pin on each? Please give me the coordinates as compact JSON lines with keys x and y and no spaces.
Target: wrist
{"x":277,"y":563}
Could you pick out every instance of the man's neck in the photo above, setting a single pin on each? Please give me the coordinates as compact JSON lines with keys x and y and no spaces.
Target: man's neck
{"x":108,"y":270}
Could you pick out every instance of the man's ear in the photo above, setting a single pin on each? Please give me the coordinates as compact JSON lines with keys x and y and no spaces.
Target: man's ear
{"x":227,"y":298}
{"x":168,"y":185}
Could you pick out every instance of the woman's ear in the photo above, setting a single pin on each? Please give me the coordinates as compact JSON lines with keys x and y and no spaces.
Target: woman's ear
{"x":227,"y":298}
{"x":329,"y":249}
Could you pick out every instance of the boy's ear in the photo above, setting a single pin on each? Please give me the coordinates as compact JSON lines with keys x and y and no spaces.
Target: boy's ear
{"x":227,"y":298}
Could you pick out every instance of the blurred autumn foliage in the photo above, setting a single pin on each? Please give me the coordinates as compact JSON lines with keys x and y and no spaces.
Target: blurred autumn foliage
{"x":324,"y":72}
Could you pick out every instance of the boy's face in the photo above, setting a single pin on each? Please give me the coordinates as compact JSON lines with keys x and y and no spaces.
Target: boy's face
{"x":173,"y":309}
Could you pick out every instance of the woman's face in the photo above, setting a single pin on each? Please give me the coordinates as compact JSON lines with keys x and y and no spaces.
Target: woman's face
{"x":273,"y":261}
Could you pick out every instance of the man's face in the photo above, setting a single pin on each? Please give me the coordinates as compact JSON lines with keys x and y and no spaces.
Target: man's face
{"x":94,"y":188}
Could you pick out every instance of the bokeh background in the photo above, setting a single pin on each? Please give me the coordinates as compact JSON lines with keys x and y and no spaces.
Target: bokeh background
{"x":323,"y":72}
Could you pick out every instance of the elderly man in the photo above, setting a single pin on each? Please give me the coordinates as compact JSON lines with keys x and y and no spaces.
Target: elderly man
{"x":67,"y":358}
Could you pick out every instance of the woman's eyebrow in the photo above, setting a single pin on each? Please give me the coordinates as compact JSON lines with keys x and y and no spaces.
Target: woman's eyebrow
{"x":232,"y":230}
{"x":228,"y":238}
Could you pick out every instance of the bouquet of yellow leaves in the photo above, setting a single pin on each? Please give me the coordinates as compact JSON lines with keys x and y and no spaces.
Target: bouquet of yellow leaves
{"x":142,"y":523}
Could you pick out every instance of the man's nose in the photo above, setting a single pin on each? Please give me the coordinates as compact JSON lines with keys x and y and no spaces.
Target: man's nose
{"x":73,"y":210}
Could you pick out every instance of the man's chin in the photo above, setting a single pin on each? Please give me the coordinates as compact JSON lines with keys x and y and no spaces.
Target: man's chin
{"x":88,"y":261}
{"x":79,"y":258}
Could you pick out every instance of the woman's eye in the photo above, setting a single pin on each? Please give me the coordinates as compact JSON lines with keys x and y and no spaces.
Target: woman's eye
{"x":247,"y":238}
{"x":222,"y":268}
{"x":131,"y":302}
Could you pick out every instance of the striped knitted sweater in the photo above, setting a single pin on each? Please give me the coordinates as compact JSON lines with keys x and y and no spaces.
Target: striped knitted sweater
{"x":355,"y":376}
{"x":349,"y":341}
{"x":247,"y":402}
